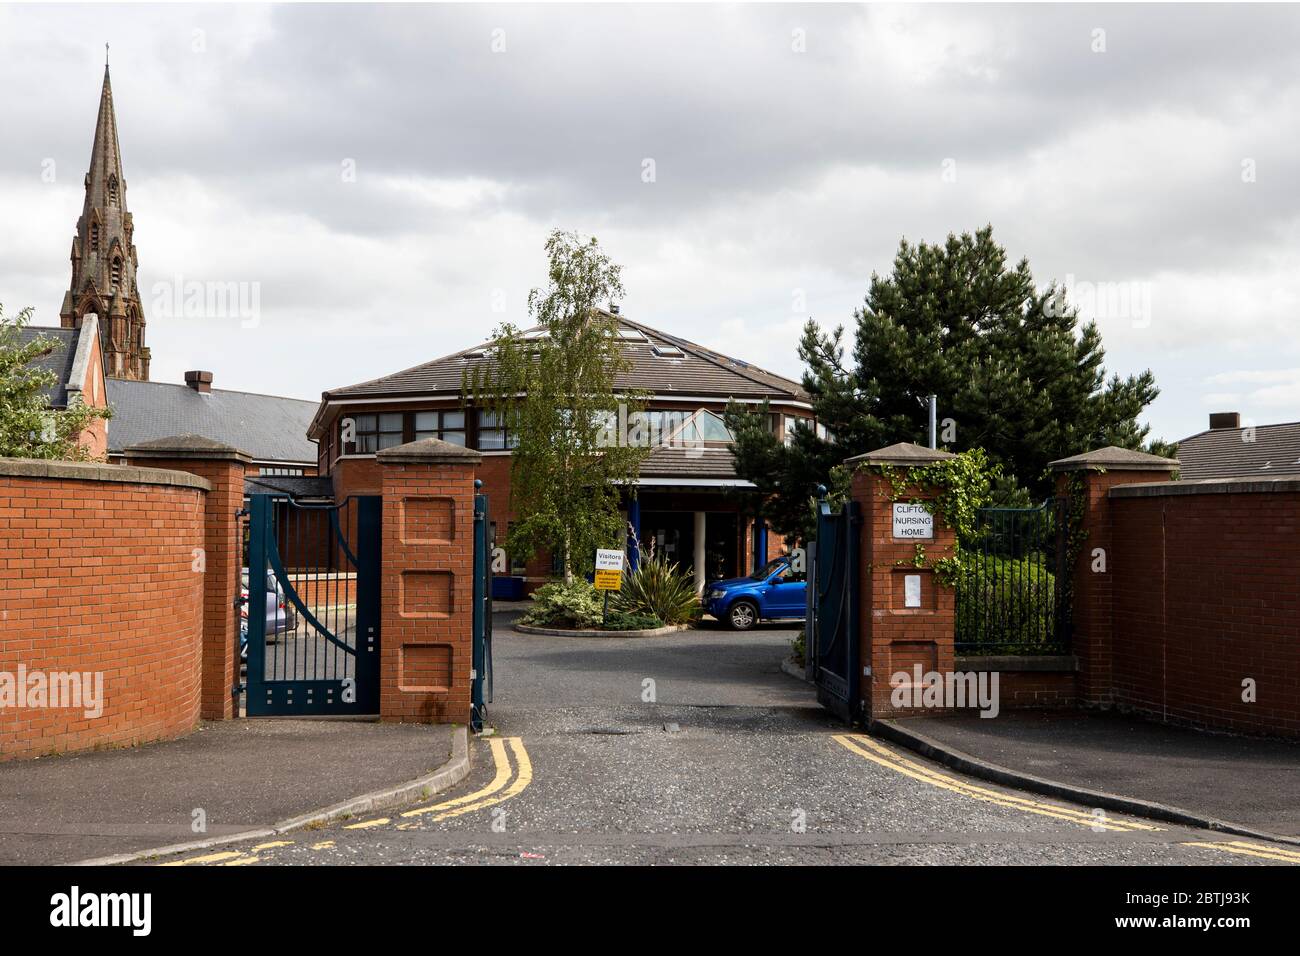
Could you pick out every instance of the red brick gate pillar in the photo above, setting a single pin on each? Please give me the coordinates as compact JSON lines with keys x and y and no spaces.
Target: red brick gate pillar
{"x":907,"y":616}
{"x":427,"y":582}
{"x":223,"y":467}
{"x":1086,"y":481}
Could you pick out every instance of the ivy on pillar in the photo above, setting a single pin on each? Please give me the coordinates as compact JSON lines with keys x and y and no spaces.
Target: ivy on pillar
{"x":908,"y":609}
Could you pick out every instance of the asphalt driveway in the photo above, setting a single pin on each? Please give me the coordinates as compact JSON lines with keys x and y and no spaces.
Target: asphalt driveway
{"x":697,"y":748}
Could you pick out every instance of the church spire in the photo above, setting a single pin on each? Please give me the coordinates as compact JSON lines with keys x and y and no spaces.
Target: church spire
{"x":104,"y":256}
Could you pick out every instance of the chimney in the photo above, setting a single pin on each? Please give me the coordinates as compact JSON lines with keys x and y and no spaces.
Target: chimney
{"x":1225,"y":420}
{"x":199,"y":381}
{"x":613,"y":309}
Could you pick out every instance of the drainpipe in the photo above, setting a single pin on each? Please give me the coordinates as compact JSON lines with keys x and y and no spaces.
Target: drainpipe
{"x":934,"y":421}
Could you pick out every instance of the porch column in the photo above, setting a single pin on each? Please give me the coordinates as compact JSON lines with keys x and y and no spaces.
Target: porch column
{"x":700,"y":525}
{"x":760,"y":543}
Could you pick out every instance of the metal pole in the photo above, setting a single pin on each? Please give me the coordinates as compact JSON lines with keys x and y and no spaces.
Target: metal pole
{"x":934,"y":421}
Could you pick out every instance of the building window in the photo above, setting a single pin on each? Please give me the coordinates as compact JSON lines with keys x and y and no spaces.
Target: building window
{"x":447,"y":426}
{"x":374,"y":432}
{"x":492,"y":433}
{"x":281,"y":472}
{"x":115,"y":276}
{"x":94,"y":237}
{"x":112,"y":190}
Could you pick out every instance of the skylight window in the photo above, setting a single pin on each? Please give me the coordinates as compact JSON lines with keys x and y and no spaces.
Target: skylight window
{"x":630,"y":335}
{"x":668,"y":351}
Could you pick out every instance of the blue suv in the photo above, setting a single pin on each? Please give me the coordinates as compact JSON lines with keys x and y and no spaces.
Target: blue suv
{"x":773,"y":591}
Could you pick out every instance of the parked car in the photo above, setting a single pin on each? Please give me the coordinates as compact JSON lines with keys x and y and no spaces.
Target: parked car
{"x":280,"y":616}
{"x":773,"y":591}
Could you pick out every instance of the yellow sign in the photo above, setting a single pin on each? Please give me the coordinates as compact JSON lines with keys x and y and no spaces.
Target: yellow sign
{"x":609,"y":580}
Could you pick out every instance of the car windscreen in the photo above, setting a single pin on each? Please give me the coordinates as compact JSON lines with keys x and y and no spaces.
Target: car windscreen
{"x":767,"y":570}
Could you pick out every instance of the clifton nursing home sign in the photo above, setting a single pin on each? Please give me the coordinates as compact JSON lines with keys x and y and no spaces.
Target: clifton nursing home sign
{"x":913,"y":521}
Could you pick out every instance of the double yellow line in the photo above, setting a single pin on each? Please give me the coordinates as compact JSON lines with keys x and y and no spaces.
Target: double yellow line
{"x":1261,"y":851}
{"x":491,"y":794}
{"x":494,"y":793}
{"x":867,"y":748}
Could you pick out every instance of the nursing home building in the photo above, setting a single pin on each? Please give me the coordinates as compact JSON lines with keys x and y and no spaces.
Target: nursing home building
{"x":687,"y":500}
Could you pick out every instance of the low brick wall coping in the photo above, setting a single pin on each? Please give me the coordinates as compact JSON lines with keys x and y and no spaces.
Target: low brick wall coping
{"x":1208,"y":486}
{"x":185,"y":447}
{"x":96,"y":471}
{"x":1066,"y":663}
{"x":428,"y":451}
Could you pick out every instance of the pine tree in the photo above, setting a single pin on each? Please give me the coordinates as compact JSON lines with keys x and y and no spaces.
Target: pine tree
{"x":1014,"y":373}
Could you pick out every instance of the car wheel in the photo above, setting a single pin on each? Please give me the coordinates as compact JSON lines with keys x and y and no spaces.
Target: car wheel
{"x":742,"y":616}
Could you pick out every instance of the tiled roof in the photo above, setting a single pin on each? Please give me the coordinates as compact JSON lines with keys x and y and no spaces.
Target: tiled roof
{"x":59,"y":360}
{"x":296,"y":486}
{"x":675,"y":462}
{"x":1260,"y":452}
{"x":662,"y":364}
{"x":267,"y":427}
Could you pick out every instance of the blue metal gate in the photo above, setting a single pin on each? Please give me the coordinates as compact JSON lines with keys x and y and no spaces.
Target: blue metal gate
{"x":312,"y":626}
{"x":481,"y":686}
{"x":833,"y":638}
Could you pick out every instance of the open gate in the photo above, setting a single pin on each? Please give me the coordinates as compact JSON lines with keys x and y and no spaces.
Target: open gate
{"x":832,"y":638}
{"x":313,"y":623}
{"x":481,"y":678}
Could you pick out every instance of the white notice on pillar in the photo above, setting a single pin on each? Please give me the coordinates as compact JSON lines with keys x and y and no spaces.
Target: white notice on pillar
{"x":911,"y":590}
{"x":913,"y":521}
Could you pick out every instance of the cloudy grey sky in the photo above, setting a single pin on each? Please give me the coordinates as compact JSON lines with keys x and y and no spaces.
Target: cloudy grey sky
{"x":782,"y":178}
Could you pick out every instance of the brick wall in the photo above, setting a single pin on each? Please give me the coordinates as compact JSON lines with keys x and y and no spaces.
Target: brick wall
{"x":427,"y":582}
{"x":222,"y":468}
{"x":98,"y":575}
{"x":1206,"y":595}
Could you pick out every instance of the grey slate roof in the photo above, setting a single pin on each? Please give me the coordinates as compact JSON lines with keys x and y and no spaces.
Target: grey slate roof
{"x":59,"y":360}
{"x":677,"y":462}
{"x":697,"y":372}
{"x":1221,"y":452}
{"x":267,"y":427}
{"x":296,"y":486}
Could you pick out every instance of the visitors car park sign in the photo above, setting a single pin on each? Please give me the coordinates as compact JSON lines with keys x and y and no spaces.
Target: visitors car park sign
{"x":609,"y":569}
{"x":913,"y":521}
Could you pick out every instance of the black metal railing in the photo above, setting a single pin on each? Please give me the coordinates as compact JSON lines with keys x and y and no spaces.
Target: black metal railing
{"x":1013,"y":592}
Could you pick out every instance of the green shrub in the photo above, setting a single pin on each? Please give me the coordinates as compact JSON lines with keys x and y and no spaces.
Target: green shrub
{"x":660,"y":588}
{"x":1005,"y":605}
{"x":563,"y":605}
{"x":799,"y":648}
{"x":631,"y":621}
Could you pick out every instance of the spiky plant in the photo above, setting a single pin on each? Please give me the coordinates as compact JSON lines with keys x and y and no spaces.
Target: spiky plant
{"x":659,"y":587}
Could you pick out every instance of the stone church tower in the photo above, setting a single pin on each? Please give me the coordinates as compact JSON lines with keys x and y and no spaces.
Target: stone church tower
{"x":103,"y":256}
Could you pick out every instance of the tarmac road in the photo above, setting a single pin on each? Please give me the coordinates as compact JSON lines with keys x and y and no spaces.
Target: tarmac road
{"x":696,"y":748}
